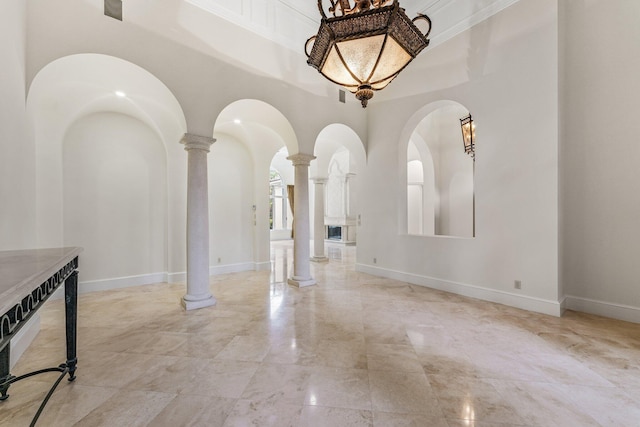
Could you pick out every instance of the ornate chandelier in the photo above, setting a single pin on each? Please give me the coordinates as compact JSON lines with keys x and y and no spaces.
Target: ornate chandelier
{"x":365,"y":44}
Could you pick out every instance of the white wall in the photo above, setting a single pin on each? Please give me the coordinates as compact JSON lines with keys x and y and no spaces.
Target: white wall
{"x":203,"y":85}
{"x":600,"y":156}
{"x":504,"y":70}
{"x":415,"y":197}
{"x":115,"y":197}
{"x":17,"y":167}
{"x":417,"y":149}
{"x":231,"y":179}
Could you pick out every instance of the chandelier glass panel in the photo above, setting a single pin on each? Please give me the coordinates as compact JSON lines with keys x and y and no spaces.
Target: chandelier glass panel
{"x":363,"y":45}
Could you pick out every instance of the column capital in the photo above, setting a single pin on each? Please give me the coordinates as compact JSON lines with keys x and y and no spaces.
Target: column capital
{"x":301,"y":159}
{"x":319,"y":180}
{"x":196,"y":142}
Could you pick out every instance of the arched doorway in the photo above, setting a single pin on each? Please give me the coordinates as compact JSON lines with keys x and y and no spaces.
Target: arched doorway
{"x":340,"y":159}
{"x":267,"y":137}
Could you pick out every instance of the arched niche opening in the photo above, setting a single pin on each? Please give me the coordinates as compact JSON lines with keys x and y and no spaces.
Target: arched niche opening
{"x":440,"y":198}
{"x":106,"y":133}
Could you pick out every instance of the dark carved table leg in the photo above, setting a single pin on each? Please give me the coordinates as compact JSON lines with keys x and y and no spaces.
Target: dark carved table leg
{"x":71,"y":321}
{"x":5,"y":377}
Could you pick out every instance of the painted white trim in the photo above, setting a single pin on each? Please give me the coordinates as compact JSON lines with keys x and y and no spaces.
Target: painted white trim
{"x":563,"y":305}
{"x":121,"y":282}
{"x":231,"y":268}
{"x":23,"y":339}
{"x":262,"y":266}
{"x":179,"y":277}
{"x":603,"y":308}
{"x":148,"y":279}
{"x":538,"y":305}
{"x":115,"y":283}
{"x":470,"y":21}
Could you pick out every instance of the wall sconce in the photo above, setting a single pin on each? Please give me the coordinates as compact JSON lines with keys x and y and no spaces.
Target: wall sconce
{"x":469,"y":136}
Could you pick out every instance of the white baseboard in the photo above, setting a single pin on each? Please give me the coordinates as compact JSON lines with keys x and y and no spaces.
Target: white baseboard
{"x":23,"y":339}
{"x":177,"y":277}
{"x":538,"y":305}
{"x":148,"y":279}
{"x":603,"y":308}
{"x":114,"y":283}
{"x":231,"y":268}
{"x":121,"y":282}
{"x":262,"y":266}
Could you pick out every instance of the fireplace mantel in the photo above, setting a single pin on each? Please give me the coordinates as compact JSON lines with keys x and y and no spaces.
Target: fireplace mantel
{"x":340,"y":230}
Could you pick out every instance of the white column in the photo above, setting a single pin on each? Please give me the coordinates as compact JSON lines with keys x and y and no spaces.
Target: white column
{"x":198,"y":294}
{"x":318,"y":221}
{"x":301,"y":239}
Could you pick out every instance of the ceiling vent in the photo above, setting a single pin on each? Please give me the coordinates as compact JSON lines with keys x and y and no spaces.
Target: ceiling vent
{"x":113,"y":8}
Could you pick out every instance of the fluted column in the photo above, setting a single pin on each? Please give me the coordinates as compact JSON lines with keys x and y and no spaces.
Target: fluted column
{"x":318,"y":221}
{"x":198,"y":294}
{"x":301,"y":239}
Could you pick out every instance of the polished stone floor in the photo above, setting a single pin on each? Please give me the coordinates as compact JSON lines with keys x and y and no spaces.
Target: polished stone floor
{"x":355,"y":350}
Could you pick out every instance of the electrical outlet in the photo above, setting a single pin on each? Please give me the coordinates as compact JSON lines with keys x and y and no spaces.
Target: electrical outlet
{"x":219,"y":260}
{"x":375,"y":260}
{"x":517,"y":284}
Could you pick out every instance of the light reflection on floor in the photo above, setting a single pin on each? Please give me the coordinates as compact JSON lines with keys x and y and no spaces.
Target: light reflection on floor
{"x":354,"y":350}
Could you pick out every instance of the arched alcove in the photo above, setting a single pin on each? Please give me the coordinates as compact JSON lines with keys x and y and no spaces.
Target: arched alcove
{"x":115,"y":196}
{"x":263,"y":132}
{"x":439,"y":199}
{"x":106,"y":133}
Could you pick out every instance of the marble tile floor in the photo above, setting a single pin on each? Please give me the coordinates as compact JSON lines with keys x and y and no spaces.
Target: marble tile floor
{"x":355,"y":350}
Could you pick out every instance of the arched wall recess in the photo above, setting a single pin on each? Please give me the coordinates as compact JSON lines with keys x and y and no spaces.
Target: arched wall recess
{"x":441,"y":201}
{"x":115,"y":196}
{"x":79,"y":99}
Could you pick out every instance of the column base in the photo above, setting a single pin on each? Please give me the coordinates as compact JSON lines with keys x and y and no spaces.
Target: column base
{"x":193,"y":305}
{"x":319,"y":259}
{"x":301,"y":282}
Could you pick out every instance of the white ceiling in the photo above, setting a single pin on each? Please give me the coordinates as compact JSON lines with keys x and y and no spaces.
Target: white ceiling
{"x":267,"y":37}
{"x":291,"y":22}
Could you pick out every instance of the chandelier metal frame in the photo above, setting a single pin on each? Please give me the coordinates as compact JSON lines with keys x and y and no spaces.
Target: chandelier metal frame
{"x":360,"y":21}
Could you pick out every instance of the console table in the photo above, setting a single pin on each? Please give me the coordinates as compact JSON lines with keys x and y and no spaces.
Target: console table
{"x":27,"y":279}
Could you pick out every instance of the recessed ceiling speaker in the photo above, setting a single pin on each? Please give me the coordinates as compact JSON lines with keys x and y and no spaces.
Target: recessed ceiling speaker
{"x":113,"y":8}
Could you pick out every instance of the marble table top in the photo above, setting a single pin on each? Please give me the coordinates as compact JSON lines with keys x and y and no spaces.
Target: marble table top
{"x":21,"y":271}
